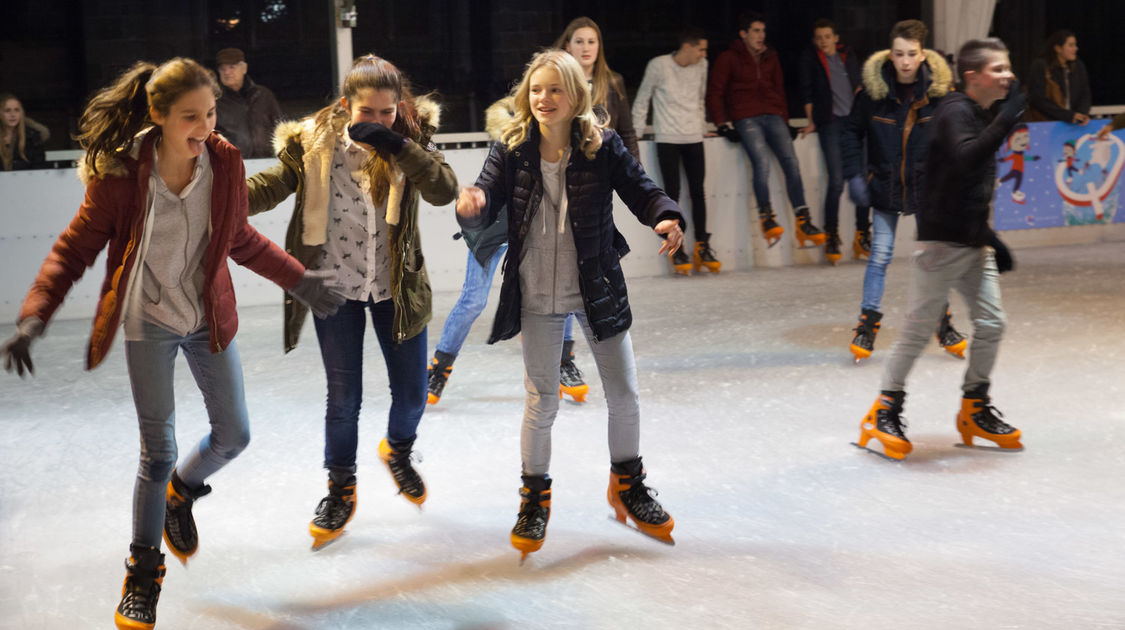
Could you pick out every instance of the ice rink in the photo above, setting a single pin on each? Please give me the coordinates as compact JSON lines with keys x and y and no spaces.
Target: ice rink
{"x":749,"y":401}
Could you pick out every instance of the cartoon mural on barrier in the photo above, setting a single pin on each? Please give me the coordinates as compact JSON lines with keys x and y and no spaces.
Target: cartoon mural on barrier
{"x":1059,"y":174}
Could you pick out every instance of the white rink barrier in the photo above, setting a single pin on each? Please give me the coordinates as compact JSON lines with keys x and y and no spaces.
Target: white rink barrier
{"x":39,"y":204}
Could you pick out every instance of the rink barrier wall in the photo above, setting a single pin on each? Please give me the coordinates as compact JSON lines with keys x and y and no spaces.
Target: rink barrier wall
{"x":39,"y":204}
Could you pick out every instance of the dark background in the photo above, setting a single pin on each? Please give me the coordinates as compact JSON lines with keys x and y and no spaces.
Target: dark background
{"x":55,"y":53}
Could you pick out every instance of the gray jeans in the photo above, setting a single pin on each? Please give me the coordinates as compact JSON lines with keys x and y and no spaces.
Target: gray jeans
{"x":542,"y":349}
{"x":937,"y":267}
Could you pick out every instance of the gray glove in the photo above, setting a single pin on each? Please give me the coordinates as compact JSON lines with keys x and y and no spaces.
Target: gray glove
{"x":858,"y":193}
{"x":319,"y":291}
{"x":17,"y":349}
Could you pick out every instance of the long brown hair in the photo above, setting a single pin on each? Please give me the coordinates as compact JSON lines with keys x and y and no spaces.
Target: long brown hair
{"x":603,"y":76}
{"x":121,"y":110}
{"x":1058,"y":38}
{"x":514,"y":131}
{"x":8,"y":152}
{"x":371,"y":71}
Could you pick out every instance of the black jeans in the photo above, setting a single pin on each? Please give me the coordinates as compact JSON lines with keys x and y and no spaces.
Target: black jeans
{"x":669,"y":157}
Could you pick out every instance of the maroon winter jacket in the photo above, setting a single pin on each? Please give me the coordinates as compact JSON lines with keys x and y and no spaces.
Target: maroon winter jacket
{"x":114,"y":212}
{"x":741,"y":86}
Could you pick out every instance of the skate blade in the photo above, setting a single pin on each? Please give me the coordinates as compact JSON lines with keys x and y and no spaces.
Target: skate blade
{"x":874,"y":452}
{"x":183,"y":558}
{"x":320,"y":542}
{"x":994,"y":449}
{"x":667,"y":541}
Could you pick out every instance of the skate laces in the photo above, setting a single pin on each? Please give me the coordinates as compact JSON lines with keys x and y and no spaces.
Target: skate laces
{"x":407,"y":479}
{"x":988,"y":417}
{"x":641,"y":500}
{"x":891,"y":421}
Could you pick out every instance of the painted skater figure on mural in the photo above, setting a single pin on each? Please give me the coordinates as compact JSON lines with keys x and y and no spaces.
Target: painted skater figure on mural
{"x":1018,"y":144}
{"x":1070,"y":156}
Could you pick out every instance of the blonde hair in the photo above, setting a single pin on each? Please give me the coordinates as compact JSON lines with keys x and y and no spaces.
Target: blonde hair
{"x":8,"y":152}
{"x":515,"y":130}
{"x":376,"y":73}
{"x":118,"y":112}
{"x":602,"y":77}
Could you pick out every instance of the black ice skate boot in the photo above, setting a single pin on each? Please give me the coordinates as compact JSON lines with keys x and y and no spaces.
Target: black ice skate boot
{"x":681,"y":264}
{"x":144,"y":575}
{"x":863,"y":344}
{"x":832,"y":248}
{"x":952,"y":341}
{"x":179,"y":524}
{"x":806,"y":231}
{"x":704,"y":256}
{"x":861,"y":246}
{"x":630,"y":497}
{"x":885,"y":423}
{"x":333,"y":512}
{"x":978,"y":418}
{"x":571,"y":382}
{"x":441,"y":366}
{"x":535,"y":511}
{"x":771,"y":231}
{"x":398,"y":461}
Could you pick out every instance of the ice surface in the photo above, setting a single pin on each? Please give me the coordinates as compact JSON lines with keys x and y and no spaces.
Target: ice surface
{"x":749,"y":400}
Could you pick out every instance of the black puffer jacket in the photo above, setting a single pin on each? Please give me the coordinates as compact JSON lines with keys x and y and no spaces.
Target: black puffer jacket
{"x":512,"y":179}
{"x":961,"y":172}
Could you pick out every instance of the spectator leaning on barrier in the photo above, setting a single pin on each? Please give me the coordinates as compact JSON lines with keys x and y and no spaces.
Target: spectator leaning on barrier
{"x":746,"y":94}
{"x":247,"y":112}
{"x":676,"y":84}
{"x":1058,"y":87}
{"x":829,"y":81}
{"x":21,"y":144}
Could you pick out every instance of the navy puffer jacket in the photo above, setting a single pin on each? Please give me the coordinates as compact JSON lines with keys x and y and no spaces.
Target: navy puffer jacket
{"x":512,"y":179}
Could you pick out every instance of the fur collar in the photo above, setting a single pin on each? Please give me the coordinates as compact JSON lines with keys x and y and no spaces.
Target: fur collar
{"x":941,"y":76}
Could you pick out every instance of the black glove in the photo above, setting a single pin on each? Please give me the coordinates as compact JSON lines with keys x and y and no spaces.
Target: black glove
{"x":318,"y":291}
{"x":17,"y":349}
{"x":1013,"y":105}
{"x":384,"y":140}
{"x":1004,"y":260}
{"x":728,"y":131}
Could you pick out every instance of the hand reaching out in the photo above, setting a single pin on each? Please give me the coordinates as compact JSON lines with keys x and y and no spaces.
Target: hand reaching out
{"x":669,"y":228}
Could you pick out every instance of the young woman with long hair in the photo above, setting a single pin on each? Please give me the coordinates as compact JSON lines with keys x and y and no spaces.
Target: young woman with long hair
{"x":359,"y":167}
{"x":167,"y":196}
{"x":555,"y":169}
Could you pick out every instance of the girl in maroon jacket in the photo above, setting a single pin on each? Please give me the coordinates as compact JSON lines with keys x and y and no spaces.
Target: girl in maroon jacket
{"x":167,"y":196}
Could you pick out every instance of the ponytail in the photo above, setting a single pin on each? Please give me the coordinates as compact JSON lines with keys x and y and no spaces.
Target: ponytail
{"x":115,"y":114}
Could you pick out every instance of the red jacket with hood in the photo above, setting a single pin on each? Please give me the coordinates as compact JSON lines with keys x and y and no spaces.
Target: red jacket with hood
{"x":741,"y":86}
{"x":114,"y":212}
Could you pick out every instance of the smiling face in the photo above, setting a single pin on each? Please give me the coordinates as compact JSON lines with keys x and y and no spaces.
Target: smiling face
{"x":373,"y":106}
{"x":11,"y":113}
{"x":583,"y":46}
{"x":825,"y":39}
{"x":907,"y":57}
{"x":1068,"y":51}
{"x":990,"y":83}
{"x":187,"y":123}
{"x":550,"y":103}
{"x":1020,"y":140}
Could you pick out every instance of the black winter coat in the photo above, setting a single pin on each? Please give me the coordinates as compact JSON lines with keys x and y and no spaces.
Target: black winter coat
{"x":897,"y":136}
{"x":513,"y":179}
{"x":247,"y":118}
{"x":816,"y":87}
{"x":961,"y":172}
{"x":1079,"y":83}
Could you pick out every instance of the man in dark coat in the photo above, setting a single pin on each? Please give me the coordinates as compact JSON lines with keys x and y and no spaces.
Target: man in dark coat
{"x":247,"y":112}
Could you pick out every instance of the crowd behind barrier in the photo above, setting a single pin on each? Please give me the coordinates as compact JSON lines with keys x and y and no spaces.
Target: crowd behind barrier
{"x":39,"y":203}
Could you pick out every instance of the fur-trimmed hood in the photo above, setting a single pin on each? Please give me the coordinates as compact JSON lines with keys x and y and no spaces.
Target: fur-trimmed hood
{"x":875,"y":81}
{"x":498,"y":115}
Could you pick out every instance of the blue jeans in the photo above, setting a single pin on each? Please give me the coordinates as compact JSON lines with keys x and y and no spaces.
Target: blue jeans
{"x":474,"y":297}
{"x":151,"y":364}
{"x":341,"y":349}
{"x":758,"y":132}
{"x":883,"y":227}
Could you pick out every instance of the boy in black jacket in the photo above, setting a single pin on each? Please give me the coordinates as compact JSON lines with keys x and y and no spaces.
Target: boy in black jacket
{"x":958,"y":249}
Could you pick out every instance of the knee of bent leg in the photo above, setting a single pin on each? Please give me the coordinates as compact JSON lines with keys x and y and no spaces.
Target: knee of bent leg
{"x":881,"y":252}
{"x":991,"y":326}
{"x":157,"y":465}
